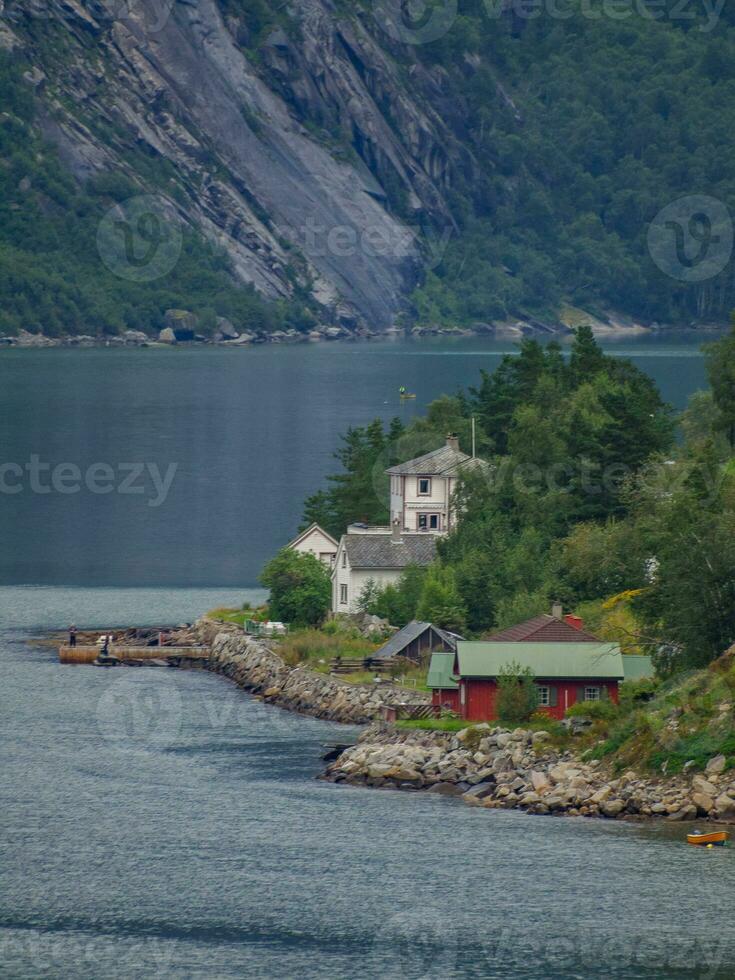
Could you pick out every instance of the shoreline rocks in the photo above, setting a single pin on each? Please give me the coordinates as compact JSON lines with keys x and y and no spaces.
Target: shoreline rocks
{"x":493,"y":768}
{"x":253,"y":665}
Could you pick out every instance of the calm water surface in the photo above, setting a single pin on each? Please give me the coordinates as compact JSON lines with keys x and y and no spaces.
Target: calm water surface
{"x":250,"y":434}
{"x":161,"y":823}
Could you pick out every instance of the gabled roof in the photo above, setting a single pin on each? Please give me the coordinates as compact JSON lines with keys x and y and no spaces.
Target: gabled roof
{"x":446,"y":461}
{"x":382,"y":551}
{"x":547,"y":660}
{"x":546,"y":629}
{"x":410,"y":632}
{"x":305,"y":534}
{"x":441,"y":674}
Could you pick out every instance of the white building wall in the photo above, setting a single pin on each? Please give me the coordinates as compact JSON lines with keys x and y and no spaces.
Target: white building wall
{"x":435,"y":502}
{"x":318,"y":544}
{"x":355,"y":580}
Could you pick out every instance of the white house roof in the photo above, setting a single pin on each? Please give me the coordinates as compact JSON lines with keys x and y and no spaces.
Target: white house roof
{"x":383,"y":551}
{"x":446,"y":461}
{"x":310,"y":530}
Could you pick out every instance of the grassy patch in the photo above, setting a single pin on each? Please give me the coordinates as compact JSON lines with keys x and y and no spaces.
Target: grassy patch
{"x":318,"y":648}
{"x":223,"y":614}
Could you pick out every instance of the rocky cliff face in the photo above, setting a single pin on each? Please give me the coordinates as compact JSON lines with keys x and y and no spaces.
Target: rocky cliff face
{"x":310,"y":161}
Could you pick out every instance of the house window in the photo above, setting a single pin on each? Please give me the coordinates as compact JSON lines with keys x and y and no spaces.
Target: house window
{"x":546,"y":695}
{"x":428,"y":522}
{"x":592,"y":694}
{"x":344,"y":559}
{"x":343,"y":595}
{"x":424,"y":487}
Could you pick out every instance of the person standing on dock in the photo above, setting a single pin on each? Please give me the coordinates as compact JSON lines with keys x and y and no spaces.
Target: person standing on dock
{"x":72,"y":636}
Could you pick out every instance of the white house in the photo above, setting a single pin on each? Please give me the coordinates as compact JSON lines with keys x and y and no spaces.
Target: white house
{"x":377,"y":554}
{"x":421,"y":489}
{"x":421,"y":508}
{"x":316,"y":541}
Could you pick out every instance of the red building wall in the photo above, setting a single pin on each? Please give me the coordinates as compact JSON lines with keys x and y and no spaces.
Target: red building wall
{"x":478,"y":695}
{"x":448,"y":699}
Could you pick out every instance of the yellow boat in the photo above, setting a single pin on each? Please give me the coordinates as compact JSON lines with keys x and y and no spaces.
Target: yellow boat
{"x":407,"y":394}
{"x":718,"y":838}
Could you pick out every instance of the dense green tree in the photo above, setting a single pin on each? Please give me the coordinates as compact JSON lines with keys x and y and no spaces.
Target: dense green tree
{"x":721,"y":371}
{"x":360,"y":492}
{"x":440,"y":601}
{"x":300,"y":588}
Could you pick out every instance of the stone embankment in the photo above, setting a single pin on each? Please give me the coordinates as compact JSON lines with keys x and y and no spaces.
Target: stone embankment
{"x":490,"y":767}
{"x":255,"y":666}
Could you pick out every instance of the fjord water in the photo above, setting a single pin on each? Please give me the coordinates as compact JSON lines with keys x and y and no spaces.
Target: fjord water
{"x":163,"y":824}
{"x":250,"y":433}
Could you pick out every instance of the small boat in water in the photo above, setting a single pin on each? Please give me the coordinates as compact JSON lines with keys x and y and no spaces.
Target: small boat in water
{"x":717,"y":838}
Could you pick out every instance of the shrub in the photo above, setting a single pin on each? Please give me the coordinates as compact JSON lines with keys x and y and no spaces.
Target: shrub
{"x":604,"y":710}
{"x":300,"y":587}
{"x":517,"y":697}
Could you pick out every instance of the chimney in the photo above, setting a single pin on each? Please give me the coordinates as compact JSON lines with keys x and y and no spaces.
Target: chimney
{"x":557,"y":611}
{"x":574,"y":621}
{"x":395,"y":531}
{"x":453,"y":441}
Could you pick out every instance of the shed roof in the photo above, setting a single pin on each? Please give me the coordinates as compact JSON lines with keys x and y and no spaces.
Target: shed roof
{"x":582,"y":660}
{"x":410,"y":632}
{"x":445,"y":461}
{"x":382,"y":551}
{"x":636,"y":666}
{"x":544,"y":628}
{"x":441,"y":672}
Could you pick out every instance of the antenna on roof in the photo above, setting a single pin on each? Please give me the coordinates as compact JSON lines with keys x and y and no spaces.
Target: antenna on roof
{"x":474,"y":446}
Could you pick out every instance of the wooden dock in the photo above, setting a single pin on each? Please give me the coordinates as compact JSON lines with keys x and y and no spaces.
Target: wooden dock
{"x":88,"y":654}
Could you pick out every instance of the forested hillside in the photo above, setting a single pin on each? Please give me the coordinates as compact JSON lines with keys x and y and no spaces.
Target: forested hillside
{"x":589,"y":501}
{"x":319,"y":165}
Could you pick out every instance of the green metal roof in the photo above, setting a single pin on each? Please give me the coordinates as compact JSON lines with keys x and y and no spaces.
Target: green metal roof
{"x":636,"y":666}
{"x":440,"y":674}
{"x":583,"y":660}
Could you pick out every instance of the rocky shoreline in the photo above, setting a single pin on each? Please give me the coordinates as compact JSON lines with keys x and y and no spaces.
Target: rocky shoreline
{"x":495,"y":768}
{"x":255,"y":666}
{"x":228,"y":337}
{"x":485,"y":766}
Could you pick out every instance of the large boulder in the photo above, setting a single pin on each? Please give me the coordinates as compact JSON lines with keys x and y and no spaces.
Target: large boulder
{"x":225,"y":329}
{"x":716,"y":764}
{"x":703,"y":803}
{"x":167,"y":336}
{"x":725,"y":807}
{"x":612,"y":808}
{"x":702,"y":785}
{"x":135,"y":337}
